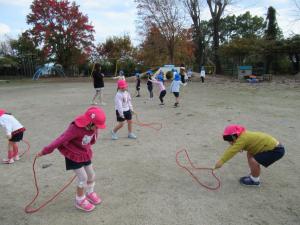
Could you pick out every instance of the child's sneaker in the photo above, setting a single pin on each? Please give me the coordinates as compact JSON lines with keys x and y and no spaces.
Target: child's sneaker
{"x":17,"y":158}
{"x":8,"y":161}
{"x":93,"y":198}
{"x":247,"y":181}
{"x":131,"y":136}
{"x":84,"y":205}
{"x":114,"y":136}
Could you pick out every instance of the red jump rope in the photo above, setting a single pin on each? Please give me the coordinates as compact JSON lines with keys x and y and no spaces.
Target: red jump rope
{"x":28,"y":208}
{"x":153,"y":125}
{"x":218,"y":185}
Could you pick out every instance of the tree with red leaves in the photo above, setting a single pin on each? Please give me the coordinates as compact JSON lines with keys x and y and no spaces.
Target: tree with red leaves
{"x":61,"y":30}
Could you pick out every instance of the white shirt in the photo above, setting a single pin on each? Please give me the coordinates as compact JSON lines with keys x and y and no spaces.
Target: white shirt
{"x":175,"y":85}
{"x":202,"y":74}
{"x":9,"y":123}
{"x":123,"y":102}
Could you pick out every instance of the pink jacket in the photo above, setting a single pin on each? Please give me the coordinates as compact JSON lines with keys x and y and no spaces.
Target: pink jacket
{"x":74,"y":143}
{"x":160,"y":84}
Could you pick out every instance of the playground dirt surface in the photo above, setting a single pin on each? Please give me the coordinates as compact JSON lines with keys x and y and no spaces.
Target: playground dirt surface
{"x":139,"y":180}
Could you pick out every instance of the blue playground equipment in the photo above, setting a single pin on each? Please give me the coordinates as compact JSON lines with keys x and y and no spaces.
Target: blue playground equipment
{"x":48,"y":70}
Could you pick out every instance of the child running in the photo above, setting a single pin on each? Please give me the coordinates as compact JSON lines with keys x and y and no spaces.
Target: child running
{"x":98,"y":84}
{"x":75,"y":145}
{"x":149,"y":84}
{"x":160,"y":83}
{"x":124,"y":110}
{"x":262,"y":149}
{"x":175,"y":88}
{"x":14,"y":133}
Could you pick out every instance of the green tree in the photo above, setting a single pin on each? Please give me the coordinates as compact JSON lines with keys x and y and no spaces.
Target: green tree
{"x":272,"y":34}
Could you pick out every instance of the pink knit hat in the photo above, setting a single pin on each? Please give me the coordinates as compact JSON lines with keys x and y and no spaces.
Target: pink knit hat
{"x":2,"y":111}
{"x":122,"y":84}
{"x":234,"y":129}
{"x":93,"y":115}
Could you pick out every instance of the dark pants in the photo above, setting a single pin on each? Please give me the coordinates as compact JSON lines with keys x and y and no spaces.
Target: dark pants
{"x":269,"y":157}
{"x":150,"y":89}
{"x":162,"y":95}
{"x":202,"y":79}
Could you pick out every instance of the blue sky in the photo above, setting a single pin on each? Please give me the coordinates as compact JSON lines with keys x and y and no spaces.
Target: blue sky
{"x":117,"y":17}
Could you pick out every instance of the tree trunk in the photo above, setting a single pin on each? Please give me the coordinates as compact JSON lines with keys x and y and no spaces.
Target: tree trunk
{"x":216,"y":48}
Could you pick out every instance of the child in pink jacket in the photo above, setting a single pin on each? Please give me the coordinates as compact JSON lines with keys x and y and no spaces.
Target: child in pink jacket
{"x":75,"y":145}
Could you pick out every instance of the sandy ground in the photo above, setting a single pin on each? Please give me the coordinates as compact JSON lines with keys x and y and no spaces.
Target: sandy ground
{"x":139,"y":180}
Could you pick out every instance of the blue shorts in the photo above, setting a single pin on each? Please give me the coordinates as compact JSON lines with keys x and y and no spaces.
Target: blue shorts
{"x":269,"y":157}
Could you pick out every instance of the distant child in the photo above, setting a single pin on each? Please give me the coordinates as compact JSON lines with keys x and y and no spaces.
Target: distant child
{"x":262,"y":149}
{"x":121,"y":76}
{"x":124,"y":110}
{"x":182,"y":74}
{"x":138,"y":84}
{"x":189,"y":74}
{"x":14,"y":133}
{"x":202,"y":74}
{"x":160,"y":83}
{"x":175,"y":88}
{"x":75,"y":145}
{"x":98,"y":84}
{"x":149,"y":83}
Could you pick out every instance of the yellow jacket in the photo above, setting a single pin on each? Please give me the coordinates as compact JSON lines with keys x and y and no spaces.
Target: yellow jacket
{"x":253,"y":142}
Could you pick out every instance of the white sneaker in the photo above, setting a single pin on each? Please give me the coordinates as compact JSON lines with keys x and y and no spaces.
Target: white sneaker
{"x":132,"y":136}
{"x":8,"y":161}
{"x":114,"y":136}
{"x":17,"y":158}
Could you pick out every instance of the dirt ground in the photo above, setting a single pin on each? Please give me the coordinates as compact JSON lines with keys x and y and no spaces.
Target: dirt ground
{"x":138,"y":180}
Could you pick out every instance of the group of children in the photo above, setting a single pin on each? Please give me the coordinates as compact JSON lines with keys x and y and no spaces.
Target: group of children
{"x":76,"y":141}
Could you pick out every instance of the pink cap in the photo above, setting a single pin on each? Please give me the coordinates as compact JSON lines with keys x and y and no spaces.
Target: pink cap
{"x":93,"y":115}
{"x":234,"y":129}
{"x":2,"y":111}
{"x":122,"y":84}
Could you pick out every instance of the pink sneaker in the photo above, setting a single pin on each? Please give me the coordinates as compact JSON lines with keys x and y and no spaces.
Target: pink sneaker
{"x":93,"y":198}
{"x":84,"y":205}
{"x":8,"y":161}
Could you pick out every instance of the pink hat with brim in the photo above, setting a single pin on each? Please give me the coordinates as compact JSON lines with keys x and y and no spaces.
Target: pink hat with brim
{"x":2,"y":111}
{"x":234,"y":129}
{"x":122,"y":84}
{"x":93,"y":115}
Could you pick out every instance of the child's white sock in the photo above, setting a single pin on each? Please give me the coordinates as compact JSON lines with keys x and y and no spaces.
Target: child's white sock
{"x":255,"y":179}
{"x":90,"y":188}
{"x":80,"y":198}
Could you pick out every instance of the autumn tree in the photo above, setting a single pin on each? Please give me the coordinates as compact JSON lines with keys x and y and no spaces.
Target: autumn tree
{"x":165,"y":15}
{"x":153,"y":51}
{"x":116,"y":50}
{"x":194,"y":9}
{"x":216,"y":8}
{"x":61,"y":30}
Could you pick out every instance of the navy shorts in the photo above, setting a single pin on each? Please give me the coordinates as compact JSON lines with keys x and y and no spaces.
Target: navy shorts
{"x":127,"y":116}
{"x":17,"y":137}
{"x":71,"y":165}
{"x":176,"y":94}
{"x":269,"y":157}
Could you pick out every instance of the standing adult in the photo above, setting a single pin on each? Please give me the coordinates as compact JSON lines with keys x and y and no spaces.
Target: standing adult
{"x":98,"y":84}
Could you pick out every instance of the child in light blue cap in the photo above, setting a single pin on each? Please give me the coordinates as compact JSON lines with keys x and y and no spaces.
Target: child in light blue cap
{"x":175,"y":88}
